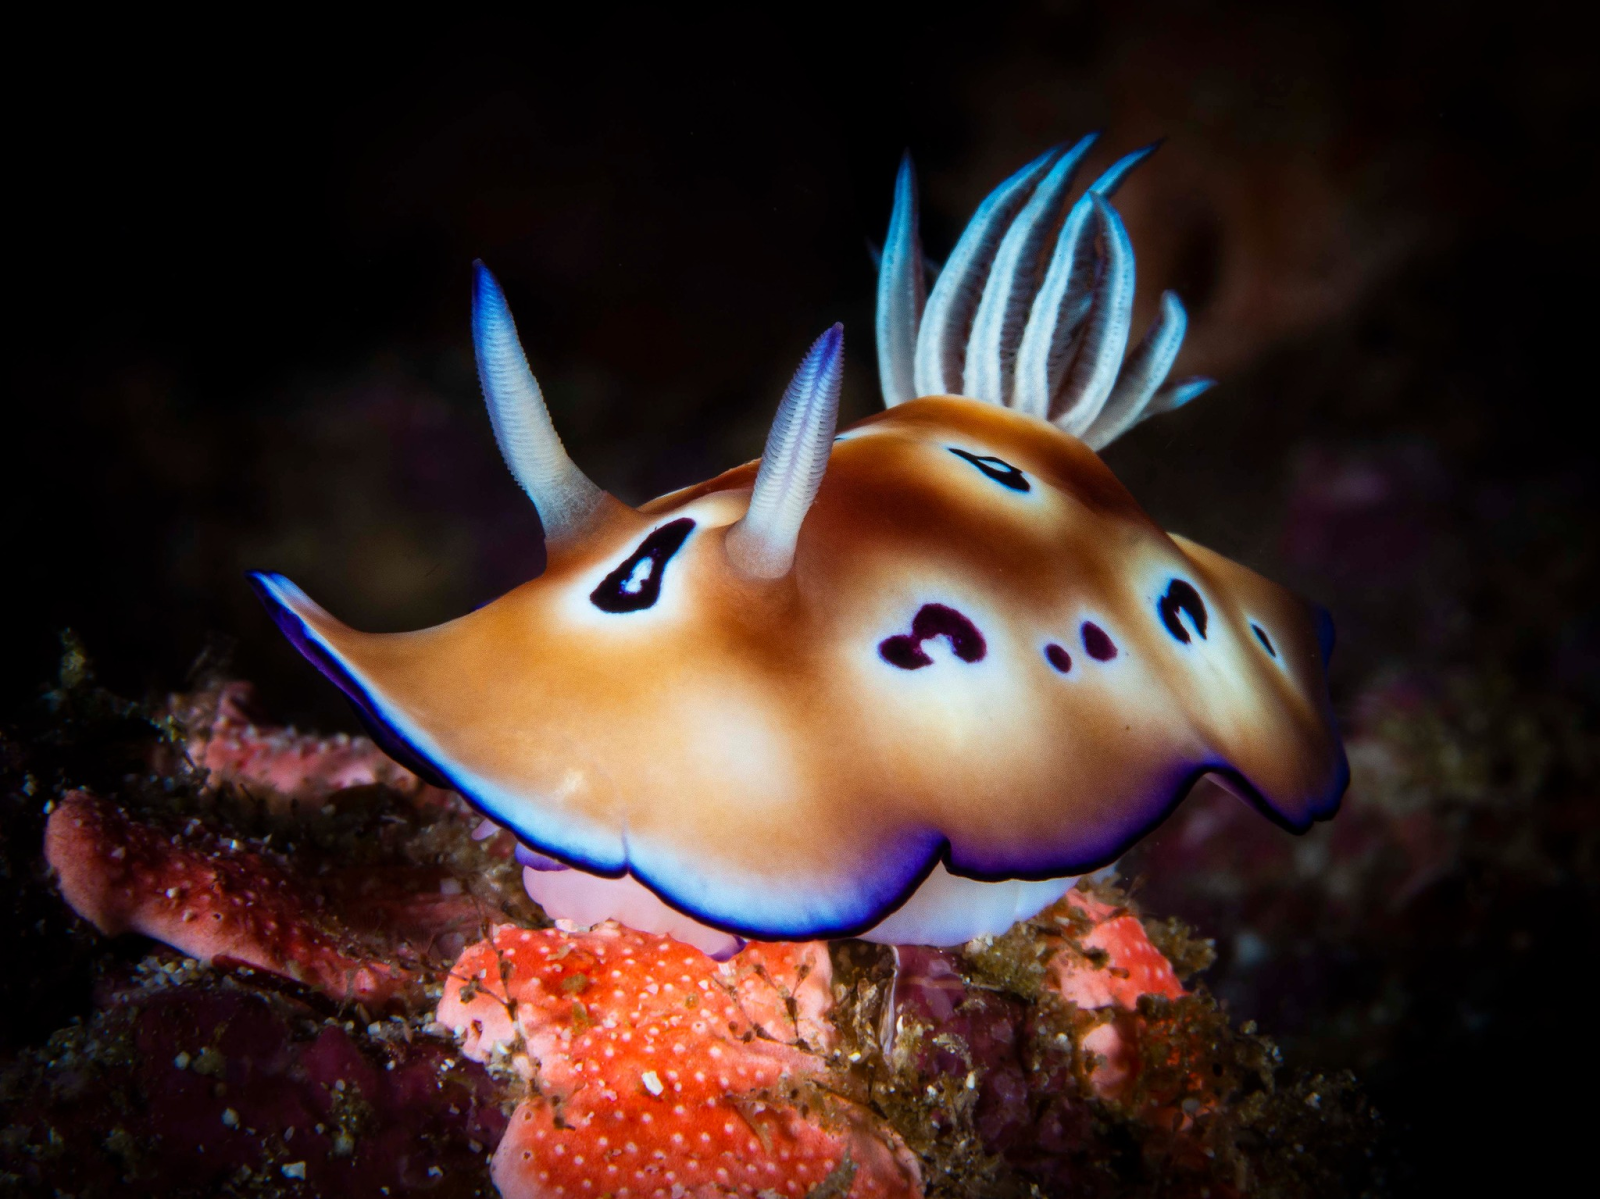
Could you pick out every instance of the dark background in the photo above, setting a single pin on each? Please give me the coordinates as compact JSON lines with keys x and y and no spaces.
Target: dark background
{"x":239,"y":338}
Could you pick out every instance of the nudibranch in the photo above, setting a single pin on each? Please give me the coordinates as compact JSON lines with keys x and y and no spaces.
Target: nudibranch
{"x":907,"y":682}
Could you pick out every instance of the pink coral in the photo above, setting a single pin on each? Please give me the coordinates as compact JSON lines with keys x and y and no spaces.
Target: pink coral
{"x":659,"y":1071}
{"x":226,"y":740}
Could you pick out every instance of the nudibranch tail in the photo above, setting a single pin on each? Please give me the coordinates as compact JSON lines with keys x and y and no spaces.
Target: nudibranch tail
{"x":1009,"y":324}
{"x":761,"y":543}
{"x":565,"y":498}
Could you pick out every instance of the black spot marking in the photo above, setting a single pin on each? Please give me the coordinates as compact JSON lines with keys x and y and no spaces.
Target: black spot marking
{"x":933,"y":620}
{"x":1261,"y":636}
{"x":1097,"y":642}
{"x":1058,"y":657}
{"x":628,"y":589}
{"x":1001,"y":471}
{"x":1182,"y":597}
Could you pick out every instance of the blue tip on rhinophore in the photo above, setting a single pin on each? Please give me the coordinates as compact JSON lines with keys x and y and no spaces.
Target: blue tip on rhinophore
{"x":829,"y":346}
{"x":822,"y":364}
{"x":483,"y":279}
{"x":490,"y":311}
{"x":823,"y":367}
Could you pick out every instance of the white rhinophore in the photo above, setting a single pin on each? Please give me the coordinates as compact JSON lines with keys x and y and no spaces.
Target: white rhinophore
{"x":564,"y":496}
{"x":761,"y":543}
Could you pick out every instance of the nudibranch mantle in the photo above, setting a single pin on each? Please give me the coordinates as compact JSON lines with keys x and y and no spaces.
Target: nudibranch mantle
{"x":905,"y":682}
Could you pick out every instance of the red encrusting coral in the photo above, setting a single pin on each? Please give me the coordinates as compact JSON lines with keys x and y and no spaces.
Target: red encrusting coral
{"x":658,"y":1071}
{"x":203,"y":896}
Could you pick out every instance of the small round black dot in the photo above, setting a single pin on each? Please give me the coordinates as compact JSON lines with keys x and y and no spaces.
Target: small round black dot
{"x":1097,"y":642}
{"x":1058,"y":657}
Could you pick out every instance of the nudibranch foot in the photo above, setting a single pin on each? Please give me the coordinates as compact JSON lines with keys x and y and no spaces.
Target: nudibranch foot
{"x":945,"y":910}
{"x":577,"y":900}
{"x":903,"y":681}
{"x":948,"y":910}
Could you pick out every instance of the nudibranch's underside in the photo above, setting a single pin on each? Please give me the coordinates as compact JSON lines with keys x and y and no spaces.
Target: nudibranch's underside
{"x":906,"y":682}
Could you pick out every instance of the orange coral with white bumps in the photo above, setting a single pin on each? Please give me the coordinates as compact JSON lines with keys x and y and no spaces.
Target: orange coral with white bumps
{"x":659,"y":1071}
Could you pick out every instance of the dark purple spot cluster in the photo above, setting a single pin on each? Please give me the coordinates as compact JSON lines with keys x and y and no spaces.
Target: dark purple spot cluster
{"x":933,"y":620}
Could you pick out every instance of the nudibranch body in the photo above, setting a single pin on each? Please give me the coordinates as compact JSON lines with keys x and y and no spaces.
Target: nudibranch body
{"x":904,"y":682}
